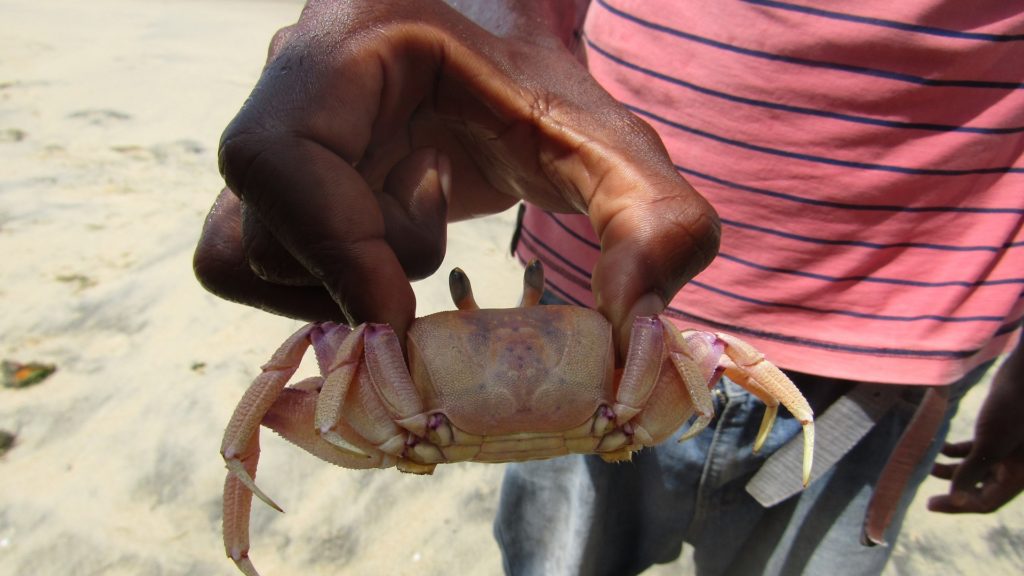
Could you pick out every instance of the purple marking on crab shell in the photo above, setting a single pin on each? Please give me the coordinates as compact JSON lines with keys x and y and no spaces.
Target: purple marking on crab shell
{"x":607,"y":412}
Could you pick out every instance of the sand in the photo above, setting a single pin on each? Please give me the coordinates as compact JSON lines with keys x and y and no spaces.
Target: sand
{"x":110,"y":112}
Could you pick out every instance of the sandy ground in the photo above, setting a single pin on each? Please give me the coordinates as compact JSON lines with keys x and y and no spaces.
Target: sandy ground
{"x":110,"y":113}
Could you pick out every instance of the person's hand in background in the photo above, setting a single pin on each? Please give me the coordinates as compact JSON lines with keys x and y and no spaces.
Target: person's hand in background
{"x":989,"y":471}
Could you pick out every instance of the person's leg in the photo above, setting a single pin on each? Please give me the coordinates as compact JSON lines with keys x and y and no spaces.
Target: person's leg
{"x":580,"y":515}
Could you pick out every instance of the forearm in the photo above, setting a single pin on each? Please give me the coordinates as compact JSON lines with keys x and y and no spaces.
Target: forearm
{"x":525,"y":18}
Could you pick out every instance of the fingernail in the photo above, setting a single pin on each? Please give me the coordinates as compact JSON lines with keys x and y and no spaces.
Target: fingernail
{"x":647,"y":305}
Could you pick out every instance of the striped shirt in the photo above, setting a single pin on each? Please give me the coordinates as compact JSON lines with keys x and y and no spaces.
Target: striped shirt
{"x":867,"y":162}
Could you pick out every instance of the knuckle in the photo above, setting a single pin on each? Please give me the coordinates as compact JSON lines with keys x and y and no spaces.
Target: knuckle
{"x":236,"y":153}
{"x":540,"y":105}
{"x":279,"y":39}
{"x":698,"y":233}
{"x":636,"y":129}
{"x":245,"y":150}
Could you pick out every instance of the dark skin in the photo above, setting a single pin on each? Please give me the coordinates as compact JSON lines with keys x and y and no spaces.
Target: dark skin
{"x":988,"y":471}
{"x":374,"y":124}
{"x":336,"y":165}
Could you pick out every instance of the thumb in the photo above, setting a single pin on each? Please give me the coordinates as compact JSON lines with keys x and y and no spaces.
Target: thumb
{"x":654,"y":239}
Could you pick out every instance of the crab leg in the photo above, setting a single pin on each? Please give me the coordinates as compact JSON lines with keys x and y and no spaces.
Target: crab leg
{"x":241,"y":448}
{"x":640,"y":374}
{"x":399,"y":396}
{"x":744,"y":379}
{"x":339,"y":359}
{"x":751,"y":370}
{"x":638,"y":380}
{"x":261,"y":395}
{"x":696,"y":360}
{"x":237,"y":504}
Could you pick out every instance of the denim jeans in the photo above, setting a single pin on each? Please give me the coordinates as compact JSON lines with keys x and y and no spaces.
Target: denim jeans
{"x":579,"y":515}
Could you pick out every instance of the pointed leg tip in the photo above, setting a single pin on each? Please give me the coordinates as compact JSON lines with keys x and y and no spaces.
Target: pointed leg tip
{"x":759,"y":444}
{"x":235,"y":467}
{"x":808,"y":427}
{"x":245,"y":565}
{"x":698,"y":426}
{"x":767,"y":423}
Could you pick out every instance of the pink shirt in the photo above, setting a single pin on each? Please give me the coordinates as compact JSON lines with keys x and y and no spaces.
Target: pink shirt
{"x":867,"y":164}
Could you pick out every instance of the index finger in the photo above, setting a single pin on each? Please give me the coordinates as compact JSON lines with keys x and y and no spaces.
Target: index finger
{"x":324,"y":214}
{"x":291,"y":154}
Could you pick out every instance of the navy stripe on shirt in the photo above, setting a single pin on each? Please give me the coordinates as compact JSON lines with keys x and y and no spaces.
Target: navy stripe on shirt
{"x":796,"y":109}
{"x":582,"y":279}
{"x":573,"y":233}
{"x":578,"y":276}
{"x":590,"y":244}
{"x":872,"y":279}
{"x":863,"y":70}
{"x":825,"y":345}
{"x":551,"y":284}
{"x":841,"y":312}
{"x":866,"y":244}
{"x":821,"y":159}
{"x":916,"y":28}
{"x":843,"y":205}
{"x":800,"y":341}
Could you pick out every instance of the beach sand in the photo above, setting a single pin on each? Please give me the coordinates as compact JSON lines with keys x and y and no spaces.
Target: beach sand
{"x":110,"y":113}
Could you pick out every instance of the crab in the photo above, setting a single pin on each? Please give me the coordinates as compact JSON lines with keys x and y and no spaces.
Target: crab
{"x":488,"y":385}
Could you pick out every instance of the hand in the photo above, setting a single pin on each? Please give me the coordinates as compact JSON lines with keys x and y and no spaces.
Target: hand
{"x":375,"y":123}
{"x":991,"y":470}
